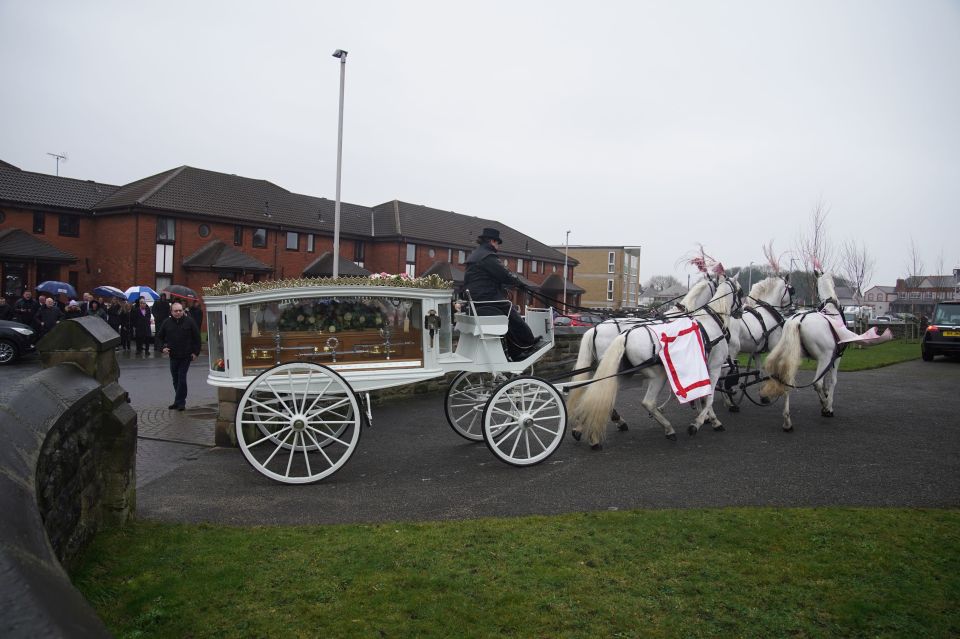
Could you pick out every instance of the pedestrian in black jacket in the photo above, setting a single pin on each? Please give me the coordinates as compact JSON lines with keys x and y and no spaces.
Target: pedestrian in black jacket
{"x":196,"y":314}
{"x":47,"y":317}
{"x":126,"y":330}
{"x":140,"y":323}
{"x":487,"y":279}
{"x":179,"y":338}
{"x":161,"y":311}
{"x":6,"y":311}
{"x":26,"y":309}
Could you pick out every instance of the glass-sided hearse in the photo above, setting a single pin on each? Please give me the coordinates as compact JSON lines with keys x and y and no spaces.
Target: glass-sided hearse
{"x":307,"y":352}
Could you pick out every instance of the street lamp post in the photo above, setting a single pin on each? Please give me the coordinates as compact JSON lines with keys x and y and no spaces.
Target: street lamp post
{"x":566,"y":252}
{"x":750,"y":278}
{"x":339,"y":53}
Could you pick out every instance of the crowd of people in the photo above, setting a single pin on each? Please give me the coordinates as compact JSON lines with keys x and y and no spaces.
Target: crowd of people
{"x":131,"y":320}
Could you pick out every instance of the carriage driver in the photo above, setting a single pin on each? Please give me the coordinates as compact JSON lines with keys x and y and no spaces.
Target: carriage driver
{"x":486,"y":279}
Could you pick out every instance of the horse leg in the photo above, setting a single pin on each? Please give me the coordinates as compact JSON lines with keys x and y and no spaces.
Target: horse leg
{"x":823,"y":389}
{"x":650,"y":403}
{"x":830,"y":389}
{"x":787,"y":423}
{"x":616,"y":419}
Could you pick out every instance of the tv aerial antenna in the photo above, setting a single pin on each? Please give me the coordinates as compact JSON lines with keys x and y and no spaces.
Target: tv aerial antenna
{"x":62,"y":156}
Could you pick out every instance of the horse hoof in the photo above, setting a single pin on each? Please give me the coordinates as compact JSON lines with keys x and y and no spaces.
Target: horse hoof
{"x":734,"y":409}
{"x":692,"y":430}
{"x":764,"y":400}
{"x":788,"y":429}
{"x":672,"y":437}
{"x":576,"y":434}
{"x":623,"y":428}
{"x":719,"y":428}
{"x":596,"y":447}
{"x":827,"y":413}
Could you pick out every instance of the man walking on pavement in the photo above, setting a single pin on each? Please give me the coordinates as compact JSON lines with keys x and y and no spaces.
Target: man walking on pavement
{"x":161,"y":311}
{"x":179,"y":337}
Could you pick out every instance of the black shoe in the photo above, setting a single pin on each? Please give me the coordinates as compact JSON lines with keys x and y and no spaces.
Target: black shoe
{"x":172,"y":407}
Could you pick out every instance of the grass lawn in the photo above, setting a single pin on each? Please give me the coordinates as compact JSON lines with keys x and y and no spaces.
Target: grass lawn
{"x":829,"y":572}
{"x":860,"y":359}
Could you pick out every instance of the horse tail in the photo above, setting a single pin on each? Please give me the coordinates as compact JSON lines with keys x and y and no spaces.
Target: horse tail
{"x":782,"y":362}
{"x":593,"y":409}
{"x":585,"y":359}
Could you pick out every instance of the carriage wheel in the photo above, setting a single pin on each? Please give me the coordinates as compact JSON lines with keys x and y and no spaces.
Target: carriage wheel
{"x":298,"y":423}
{"x":524,"y":421}
{"x":466,"y":397}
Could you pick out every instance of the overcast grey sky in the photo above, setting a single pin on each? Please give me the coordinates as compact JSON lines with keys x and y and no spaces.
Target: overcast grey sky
{"x":659,"y":124}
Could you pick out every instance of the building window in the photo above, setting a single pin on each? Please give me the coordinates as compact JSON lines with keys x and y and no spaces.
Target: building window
{"x":163,"y":281}
{"x":238,"y":235}
{"x":310,"y":246}
{"x":609,"y":290}
{"x":450,"y":255}
{"x":520,"y":265}
{"x":260,"y":238}
{"x":164,"y":258}
{"x":611,"y":262}
{"x":533,"y":266}
{"x":39,"y":222}
{"x":69,"y":226}
{"x":431,"y":253}
{"x":293,"y":241}
{"x":914,"y":295}
{"x":166,"y":230}
{"x":554,"y":268}
{"x":411,"y":260}
{"x":204,"y":230}
{"x":359,"y":253}
{"x":461,"y":257}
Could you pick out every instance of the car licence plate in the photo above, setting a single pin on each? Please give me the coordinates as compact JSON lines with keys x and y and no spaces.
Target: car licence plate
{"x":951,"y":333}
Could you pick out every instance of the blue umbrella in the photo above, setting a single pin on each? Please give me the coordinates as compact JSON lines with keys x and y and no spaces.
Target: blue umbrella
{"x":109,"y":291}
{"x":136,"y":292}
{"x":53,"y":287}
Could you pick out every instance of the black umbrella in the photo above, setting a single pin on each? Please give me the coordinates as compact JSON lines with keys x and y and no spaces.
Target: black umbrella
{"x":183,"y":292}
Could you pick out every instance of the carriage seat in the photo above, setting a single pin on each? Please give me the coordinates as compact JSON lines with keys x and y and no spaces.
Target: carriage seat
{"x":482,"y":325}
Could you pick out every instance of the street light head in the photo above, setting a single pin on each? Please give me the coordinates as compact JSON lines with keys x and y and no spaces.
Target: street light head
{"x":340,"y":53}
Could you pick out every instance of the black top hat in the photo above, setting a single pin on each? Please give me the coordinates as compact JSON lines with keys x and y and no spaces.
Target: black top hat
{"x":491,"y":234}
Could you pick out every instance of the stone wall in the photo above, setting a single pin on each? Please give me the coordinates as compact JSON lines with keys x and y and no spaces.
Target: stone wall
{"x":67,"y":467}
{"x":558,"y":360}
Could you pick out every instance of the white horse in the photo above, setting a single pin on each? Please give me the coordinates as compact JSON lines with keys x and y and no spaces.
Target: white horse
{"x":640,"y":346}
{"x":810,"y":333}
{"x":598,"y":339}
{"x":758,"y":328}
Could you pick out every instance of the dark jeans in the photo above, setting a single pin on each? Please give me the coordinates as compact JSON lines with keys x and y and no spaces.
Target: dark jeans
{"x":519,"y":335}
{"x":178,"y":370}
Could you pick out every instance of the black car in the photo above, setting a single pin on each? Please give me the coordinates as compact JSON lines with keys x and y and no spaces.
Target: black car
{"x":15,"y":340}
{"x":942,"y":336}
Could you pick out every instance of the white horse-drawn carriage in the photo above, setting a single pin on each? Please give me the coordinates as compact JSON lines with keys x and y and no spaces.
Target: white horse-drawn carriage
{"x":308,"y":354}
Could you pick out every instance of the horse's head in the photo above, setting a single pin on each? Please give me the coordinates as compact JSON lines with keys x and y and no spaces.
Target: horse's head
{"x":825,"y":288}
{"x":774,"y":290}
{"x":726,"y":298}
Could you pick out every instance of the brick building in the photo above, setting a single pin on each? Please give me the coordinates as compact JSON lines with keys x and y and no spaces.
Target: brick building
{"x":195,"y":227}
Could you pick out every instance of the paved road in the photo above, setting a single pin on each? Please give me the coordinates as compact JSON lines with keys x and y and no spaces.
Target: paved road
{"x":894,"y":442}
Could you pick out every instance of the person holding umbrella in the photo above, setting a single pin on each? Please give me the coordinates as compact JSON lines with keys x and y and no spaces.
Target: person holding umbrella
{"x":140,"y":322}
{"x":179,"y":338}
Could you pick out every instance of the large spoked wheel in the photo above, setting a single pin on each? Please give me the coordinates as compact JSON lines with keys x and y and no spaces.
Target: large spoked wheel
{"x":465,"y":400}
{"x":298,"y":423}
{"x":524,"y":421}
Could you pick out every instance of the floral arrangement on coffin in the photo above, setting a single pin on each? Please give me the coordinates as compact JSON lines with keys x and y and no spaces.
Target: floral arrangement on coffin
{"x":331,"y":316}
{"x":226,"y":287}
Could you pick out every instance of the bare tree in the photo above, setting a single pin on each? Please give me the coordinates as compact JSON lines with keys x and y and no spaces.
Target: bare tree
{"x":914,"y":265}
{"x":661,"y":282}
{"x":815,"y":249}
{"x":857,"y":266}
